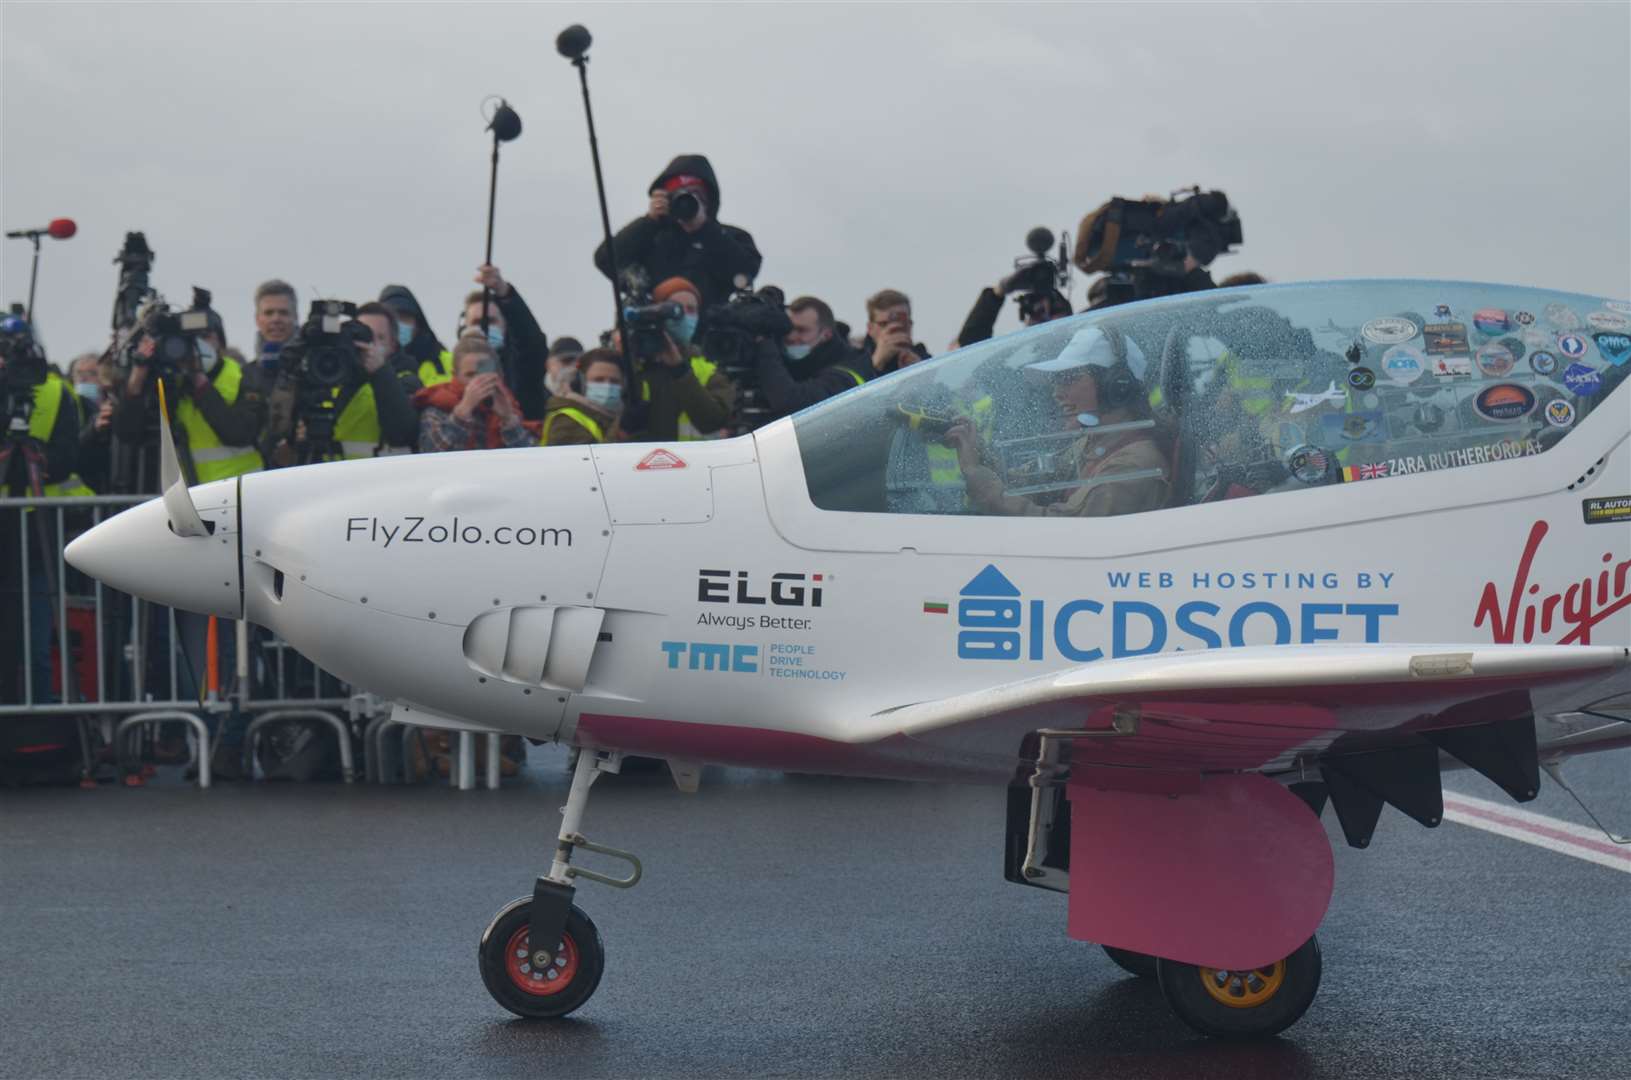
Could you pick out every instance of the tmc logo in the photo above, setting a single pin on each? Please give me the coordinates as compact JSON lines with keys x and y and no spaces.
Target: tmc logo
{"x":710,"y":656}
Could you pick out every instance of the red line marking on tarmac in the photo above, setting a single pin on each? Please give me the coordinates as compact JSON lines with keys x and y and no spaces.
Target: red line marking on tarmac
{"x":1559,"y":836}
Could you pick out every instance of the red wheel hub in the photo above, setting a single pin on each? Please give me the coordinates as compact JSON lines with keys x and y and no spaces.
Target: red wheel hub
{"x":540,"y":981}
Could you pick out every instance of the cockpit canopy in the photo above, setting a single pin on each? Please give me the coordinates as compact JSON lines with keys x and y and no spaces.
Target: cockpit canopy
{"x":1223,"y":394}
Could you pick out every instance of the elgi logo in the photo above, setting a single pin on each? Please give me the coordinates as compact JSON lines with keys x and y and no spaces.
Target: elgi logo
{"x":787,"y":589}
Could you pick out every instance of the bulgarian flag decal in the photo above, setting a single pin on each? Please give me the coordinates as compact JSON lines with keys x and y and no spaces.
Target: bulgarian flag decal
{"x":936,"y":607}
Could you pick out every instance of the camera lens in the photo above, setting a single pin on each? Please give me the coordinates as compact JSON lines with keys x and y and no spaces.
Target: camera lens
{"x":327,"y":366}
{"x":175,"y":348}
{"x":684,"y":206}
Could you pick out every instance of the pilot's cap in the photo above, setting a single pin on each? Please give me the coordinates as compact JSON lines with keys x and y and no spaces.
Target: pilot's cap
{"x":1092,"y":347}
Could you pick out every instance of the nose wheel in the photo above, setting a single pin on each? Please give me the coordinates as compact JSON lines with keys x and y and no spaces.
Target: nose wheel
{"x":1248,"y":1004}
{"x":541,"y":956}
{"x":554,"y":988}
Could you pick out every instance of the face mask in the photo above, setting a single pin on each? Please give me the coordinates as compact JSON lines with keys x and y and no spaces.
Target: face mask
{"x":90,"y":391}
{"x":682,"y":329}
{"x":1087,"y":419}
{"x":495,"y":336}
{"x":555,"y":381}
{"x":404,"y":334}
{"x":798,"y":352}
{"x":608,"y":395}
{"x":207,"y":356}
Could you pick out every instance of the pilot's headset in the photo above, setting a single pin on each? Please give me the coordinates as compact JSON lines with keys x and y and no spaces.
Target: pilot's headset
{"x":1118,"y":386}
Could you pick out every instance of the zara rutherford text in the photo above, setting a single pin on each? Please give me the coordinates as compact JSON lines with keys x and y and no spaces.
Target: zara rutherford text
{"x":412,"y":529}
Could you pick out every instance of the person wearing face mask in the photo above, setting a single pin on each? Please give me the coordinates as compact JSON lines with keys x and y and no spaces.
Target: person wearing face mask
{"x":1098,"y":383}
{"x":96,"y":419}
{"x":683,"y":394}
{"x":577,"y":417}
{"x":812,"y":363}
{"x":217,"y":411}
{"x":372,"y":411}
{"x":562,"y":368}
{"x":522,"y":347}
{"x":680,"y":235}
{"x":419,"y":349}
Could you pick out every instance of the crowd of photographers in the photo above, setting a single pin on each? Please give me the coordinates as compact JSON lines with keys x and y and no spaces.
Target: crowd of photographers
{"x":706,"y":355}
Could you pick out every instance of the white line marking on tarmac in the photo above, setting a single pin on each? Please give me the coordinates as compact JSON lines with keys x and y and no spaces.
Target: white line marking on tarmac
{"x":1564,"y":837}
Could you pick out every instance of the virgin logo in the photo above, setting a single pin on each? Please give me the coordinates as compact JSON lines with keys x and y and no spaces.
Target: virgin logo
{"x":1578,"y":607}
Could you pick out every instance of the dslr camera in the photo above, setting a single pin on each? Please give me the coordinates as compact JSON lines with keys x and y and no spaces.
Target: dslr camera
{"x":730,"y":331}
{"x":1143,"y":244}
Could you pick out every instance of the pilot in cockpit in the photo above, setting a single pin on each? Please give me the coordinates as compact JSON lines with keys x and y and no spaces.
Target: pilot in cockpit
{"x":1112,"y":449}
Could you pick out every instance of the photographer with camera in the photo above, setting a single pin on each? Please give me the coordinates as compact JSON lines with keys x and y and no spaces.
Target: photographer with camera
{"x":1034,"y":284}
{"x":681,"y":236}
{"x":888,"y":343}
{"x":217,"y":407}
{"x":476,"y":410}
{"x":683,"y":394}
{"x":586,"y":409}
{"x":93,"y":385}
{"x":810,"y":363}
{"x":38,"y":454}
{"x":338,"y":396}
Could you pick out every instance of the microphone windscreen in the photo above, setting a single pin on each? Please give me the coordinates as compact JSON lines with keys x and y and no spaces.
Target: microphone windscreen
{"x":62,"y":228}
{"x":573,"y":42}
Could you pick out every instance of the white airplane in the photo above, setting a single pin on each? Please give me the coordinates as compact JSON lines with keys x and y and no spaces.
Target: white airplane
{"x":1172,"y":651}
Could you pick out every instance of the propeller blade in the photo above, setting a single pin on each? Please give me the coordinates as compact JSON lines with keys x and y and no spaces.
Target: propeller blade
{"x":178,"y":501}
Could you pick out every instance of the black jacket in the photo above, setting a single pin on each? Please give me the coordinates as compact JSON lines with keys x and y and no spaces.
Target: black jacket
{"x":866,"y":349}
{"x":790,"y":385}
{"x":61,"y":450}
{"x":526,"y":348}
{"x":424,"y":345}
{"x":982,"y":318}
{"x":711,"y":257}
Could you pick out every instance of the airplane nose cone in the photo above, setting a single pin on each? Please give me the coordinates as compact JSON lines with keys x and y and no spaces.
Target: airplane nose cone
{"x":136,"y":552}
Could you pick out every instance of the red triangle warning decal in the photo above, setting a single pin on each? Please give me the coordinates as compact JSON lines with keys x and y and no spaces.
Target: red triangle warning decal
{"x":660,"y":459}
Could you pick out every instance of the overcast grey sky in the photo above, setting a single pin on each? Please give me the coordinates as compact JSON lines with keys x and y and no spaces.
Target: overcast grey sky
{"x":340,"y":145}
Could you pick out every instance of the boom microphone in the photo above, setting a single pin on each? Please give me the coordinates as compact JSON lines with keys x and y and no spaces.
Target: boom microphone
{"x":573,"y":42}
{"x":60,"y":229}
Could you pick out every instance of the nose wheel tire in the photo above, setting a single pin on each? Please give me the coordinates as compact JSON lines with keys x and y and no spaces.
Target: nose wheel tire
{"x":533,"y":992}
{"x":1250,"y":1004}
{"x":1133,"y":963}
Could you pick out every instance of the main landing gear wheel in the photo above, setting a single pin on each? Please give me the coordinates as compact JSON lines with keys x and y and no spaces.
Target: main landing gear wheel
{"x":540,"y":993}
{"x":1250,"y":1004}
{"x":1133,"y":963}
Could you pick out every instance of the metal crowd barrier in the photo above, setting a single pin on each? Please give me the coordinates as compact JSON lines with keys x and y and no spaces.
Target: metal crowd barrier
{"x":121,"y":664}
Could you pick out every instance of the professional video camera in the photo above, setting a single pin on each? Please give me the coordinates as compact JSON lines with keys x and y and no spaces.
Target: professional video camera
{"x":1144,"y":244}
{"x":135,"y":261}
{"x":24,"y":368}
{"x":322,"y":357}
{"x":1037,"y":277}
{"x":730,"y":330}
{"x":175,"y":335}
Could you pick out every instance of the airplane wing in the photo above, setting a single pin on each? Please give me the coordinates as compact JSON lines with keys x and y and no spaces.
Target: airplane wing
{"x":1180,"y":846}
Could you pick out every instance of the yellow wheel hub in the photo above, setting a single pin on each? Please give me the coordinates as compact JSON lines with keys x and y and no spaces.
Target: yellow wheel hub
{"x":1244,"y":989}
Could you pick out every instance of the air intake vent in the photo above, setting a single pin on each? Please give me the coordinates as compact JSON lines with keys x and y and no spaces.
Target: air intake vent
{"x":535,"y":645}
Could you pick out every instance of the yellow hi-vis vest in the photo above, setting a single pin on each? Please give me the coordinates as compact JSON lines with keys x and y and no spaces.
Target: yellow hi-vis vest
{"x":357,"y":429}
{"x":439,"y":370}
{"x":703,"y":369}
{"x":943,"y":468}
{"x":583,"y":418}
{"x":211,"y":460}
{"x":48,"y":397}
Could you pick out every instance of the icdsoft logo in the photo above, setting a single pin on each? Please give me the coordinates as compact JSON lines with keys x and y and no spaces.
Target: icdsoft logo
{"x":994,"y":622}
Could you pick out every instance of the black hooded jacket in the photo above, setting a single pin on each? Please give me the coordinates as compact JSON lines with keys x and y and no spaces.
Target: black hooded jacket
{"x":424,"y":345}
{"x":711,"y":257}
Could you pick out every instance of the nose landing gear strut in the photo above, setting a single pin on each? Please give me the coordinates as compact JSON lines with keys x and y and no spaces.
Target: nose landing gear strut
{"x":541,"y":956}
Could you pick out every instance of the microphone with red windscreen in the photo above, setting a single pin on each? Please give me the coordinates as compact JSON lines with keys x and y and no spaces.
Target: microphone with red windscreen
{"x":60,"y":229}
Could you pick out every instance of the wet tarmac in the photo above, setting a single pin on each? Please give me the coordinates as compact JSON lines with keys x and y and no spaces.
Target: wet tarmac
{"x":786,"y":926}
